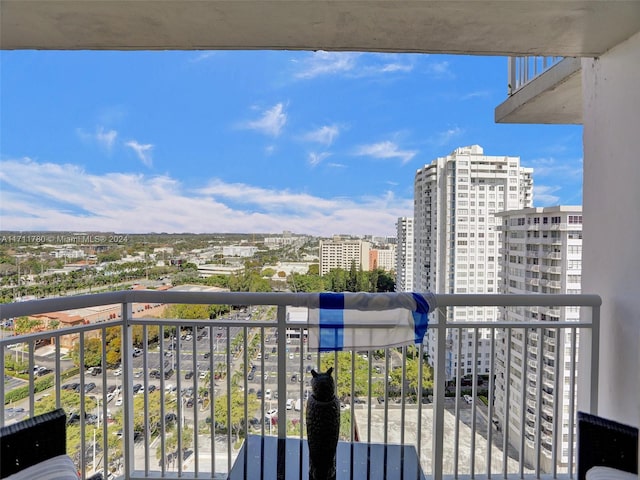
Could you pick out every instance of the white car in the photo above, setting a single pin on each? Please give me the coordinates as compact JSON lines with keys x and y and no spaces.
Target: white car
{"x":271,"y":413}
{"x":119,"y":401}
{"x":267,"y":394}
{"x":117,"y":372}
{"x":290,"y":404}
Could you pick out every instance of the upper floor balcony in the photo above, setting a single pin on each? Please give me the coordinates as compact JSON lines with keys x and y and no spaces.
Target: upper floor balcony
{"x":542,"y":90}
{"x":168,"y":397}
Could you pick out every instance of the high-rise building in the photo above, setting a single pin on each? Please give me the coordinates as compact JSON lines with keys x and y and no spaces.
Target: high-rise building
{"x":542,"y":253}
{"x":456,"y":242}
{"x":342,"y":253}
{"x":383,"y":258}
{"x":404,"y":255}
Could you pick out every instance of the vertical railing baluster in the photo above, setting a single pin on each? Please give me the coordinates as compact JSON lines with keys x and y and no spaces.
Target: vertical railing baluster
{"x":438,"y":392}
{"x":127,"y":381}
{"x":282,"y":366}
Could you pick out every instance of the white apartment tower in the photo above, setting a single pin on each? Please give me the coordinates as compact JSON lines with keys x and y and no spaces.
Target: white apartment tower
{"x":342,"y":253}
{"x":383,"y":258}
{"x":542,"y":253}
{"x":404,"y":255}
{"x":456,"y":241}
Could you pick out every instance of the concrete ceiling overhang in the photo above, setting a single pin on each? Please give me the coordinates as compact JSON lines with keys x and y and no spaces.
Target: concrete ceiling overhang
{"x":519,"y":27}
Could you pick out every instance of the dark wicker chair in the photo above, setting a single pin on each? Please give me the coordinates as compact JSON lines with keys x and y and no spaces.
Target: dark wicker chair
{"x":32,"y":441}
{"x":605,"y":443}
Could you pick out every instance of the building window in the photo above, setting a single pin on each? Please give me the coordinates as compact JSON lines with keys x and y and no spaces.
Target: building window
{"x":575,"y":219}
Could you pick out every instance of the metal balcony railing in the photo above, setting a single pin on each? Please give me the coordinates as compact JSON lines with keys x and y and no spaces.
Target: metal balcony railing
{"x":523,"y":70}
{"x":175,"y":396}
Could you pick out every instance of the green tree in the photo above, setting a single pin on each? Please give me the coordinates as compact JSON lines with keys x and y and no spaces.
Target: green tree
{"x":237,"y":411}
{"x":92,"y":353}
{"x":342,"y":375}
{"x":23,"y":325}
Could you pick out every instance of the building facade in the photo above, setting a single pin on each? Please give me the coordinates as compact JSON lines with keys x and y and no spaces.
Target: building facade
{"x":383,"y":258}
{"x":404,"y":255}
{"x":541,"y":253}
{"x":342,"y":253}
{"x":456,"y":242}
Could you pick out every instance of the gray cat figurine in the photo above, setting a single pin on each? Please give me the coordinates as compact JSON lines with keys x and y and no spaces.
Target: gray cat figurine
{"x":323,"y":425}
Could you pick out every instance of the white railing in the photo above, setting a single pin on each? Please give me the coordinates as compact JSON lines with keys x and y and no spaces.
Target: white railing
{"x":452,"y":437}
{"x":523,"y":70}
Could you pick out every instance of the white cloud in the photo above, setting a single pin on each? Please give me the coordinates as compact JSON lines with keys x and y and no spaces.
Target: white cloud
{"x":444,"y":137}
{"x":543,"y":195}
{"x":325,"y":134}
{"x":386,"y":150}
{"x":352,"y":64}
{"x":47,"y":196}
{"x":326,"y":63}
{"x":104,"y":138}
{"x":271,"y":122}
{"x":476,"y":94}
{"x":204,"y":55}
{"x":550,"y":166}
{"x":396,"y":67}
{"x":142,"y":150}
{"x":316,"y":158}
{"x":440,"y":69}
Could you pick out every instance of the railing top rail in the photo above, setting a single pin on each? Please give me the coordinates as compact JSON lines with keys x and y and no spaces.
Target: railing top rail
{"x":33,"y":307}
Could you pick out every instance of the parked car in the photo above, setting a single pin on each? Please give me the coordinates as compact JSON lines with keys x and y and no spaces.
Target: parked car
{"x":117,"y":371}
{"x":188,"y":375}
{"x":168,"y":373}
{"x":154,"y":374}
{"x":89,"y":386}
{"x":94,"y":370}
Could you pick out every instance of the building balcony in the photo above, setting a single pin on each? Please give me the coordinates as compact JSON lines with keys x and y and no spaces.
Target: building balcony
{"x":553,"y":270}
{"x":542,"y":90}
{"x":158,"y":376}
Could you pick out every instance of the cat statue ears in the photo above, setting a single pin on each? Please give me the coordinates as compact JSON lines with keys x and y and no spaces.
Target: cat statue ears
{"x":315,"y":374}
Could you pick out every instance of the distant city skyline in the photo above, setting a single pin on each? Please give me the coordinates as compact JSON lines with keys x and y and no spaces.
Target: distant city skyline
{"x":316,"y":143}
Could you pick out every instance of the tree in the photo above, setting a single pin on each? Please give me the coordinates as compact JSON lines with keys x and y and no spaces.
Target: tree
{"x":343,"y":377}
{"x":23,"y":325}
{"x":237,"y":411}
{"x":92,"y":352}
{"x":412,"y":370}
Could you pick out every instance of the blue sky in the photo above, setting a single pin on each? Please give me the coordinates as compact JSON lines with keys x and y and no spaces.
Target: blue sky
{"x":262,"y":141}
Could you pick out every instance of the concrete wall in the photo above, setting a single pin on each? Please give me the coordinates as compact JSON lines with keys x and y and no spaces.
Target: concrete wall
{"x":611,"y":233}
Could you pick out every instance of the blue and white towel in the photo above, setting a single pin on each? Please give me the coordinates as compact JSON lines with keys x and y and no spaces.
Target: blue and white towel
{"x":364,"y":321}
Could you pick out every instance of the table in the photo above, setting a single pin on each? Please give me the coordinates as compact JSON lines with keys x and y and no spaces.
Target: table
{"x":267,"y":458}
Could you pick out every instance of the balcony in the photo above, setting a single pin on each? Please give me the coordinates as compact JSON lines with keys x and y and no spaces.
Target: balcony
{"x":548,"y":88}
{"x":158,"y":398}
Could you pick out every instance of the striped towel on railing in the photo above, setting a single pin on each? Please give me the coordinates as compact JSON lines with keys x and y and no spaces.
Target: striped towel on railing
{"x":364,"y":321}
